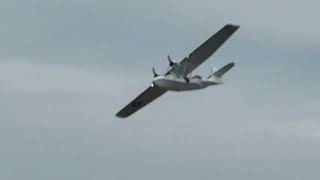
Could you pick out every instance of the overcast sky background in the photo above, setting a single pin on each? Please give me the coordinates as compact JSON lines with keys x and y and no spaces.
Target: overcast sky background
{"x":67,"y":66}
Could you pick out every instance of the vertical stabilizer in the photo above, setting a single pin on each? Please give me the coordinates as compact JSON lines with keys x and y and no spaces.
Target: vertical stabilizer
{"x":219,"y":73}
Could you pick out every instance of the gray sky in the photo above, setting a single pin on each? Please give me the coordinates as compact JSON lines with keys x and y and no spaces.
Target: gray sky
{"x":66,"y":67}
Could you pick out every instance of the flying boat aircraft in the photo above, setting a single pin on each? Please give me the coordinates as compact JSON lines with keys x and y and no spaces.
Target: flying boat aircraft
{"x":178,"y":77}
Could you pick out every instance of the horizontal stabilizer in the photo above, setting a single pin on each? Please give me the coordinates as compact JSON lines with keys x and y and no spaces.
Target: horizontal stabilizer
{"x":223,"y":70}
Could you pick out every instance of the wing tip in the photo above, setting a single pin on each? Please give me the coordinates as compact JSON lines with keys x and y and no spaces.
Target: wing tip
{"x":121,"y":115}
{"x":233,"y":26}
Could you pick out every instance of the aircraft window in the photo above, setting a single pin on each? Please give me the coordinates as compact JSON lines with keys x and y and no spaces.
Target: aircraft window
{"x":197,"y":77}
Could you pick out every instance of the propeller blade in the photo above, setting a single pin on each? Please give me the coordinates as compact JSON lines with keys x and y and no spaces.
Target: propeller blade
{"x":214,"y":69}
{"x":171,"y":63}
{"x":187,"y":79}
{"x":154,"y":72}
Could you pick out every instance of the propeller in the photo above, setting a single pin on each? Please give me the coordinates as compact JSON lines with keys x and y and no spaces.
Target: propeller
{"x":187,"y":79}
{"x":171,"y":63}
{"x":214,"y":69}
{"x":154,"y":73}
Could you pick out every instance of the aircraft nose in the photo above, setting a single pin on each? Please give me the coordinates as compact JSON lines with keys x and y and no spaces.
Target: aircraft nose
{"x":157,"y":78}
{"x":157,"y":81}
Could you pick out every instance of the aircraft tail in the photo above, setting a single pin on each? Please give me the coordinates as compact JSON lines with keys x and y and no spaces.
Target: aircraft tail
{"x":219,"y":73}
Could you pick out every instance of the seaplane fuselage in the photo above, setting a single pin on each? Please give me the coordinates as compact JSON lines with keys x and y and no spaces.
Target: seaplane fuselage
{"x":174,"y":83}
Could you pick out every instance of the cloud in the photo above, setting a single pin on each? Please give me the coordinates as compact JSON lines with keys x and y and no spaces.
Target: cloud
{"x":108,"y":31}
{"x":65,"y":115}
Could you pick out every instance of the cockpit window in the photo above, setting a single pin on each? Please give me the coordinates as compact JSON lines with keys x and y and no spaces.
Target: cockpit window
{"x":197,"y":77}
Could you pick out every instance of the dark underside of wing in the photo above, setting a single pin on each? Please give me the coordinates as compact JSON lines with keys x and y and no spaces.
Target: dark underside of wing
{"x":203,"y":52}
{"x":143,"y":99}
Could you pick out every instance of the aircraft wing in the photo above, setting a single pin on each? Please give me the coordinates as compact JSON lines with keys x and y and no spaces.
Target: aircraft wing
{"x":203,"y":52}
{"x":139,"y":102}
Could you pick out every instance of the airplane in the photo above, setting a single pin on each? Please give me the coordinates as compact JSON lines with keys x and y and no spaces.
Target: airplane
{"x":178,"y":77}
